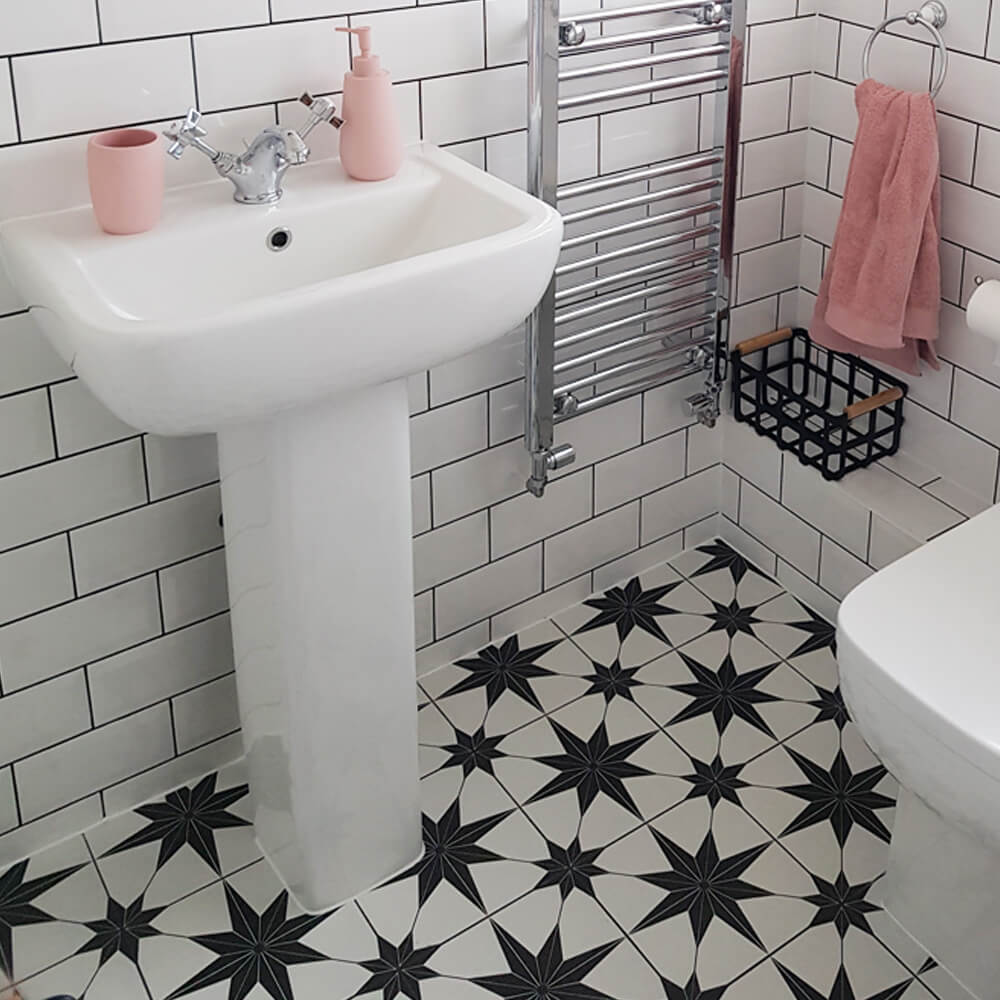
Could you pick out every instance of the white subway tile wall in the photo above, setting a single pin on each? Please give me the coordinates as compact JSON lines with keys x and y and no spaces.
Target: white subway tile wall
{"x":112,"y":570}
{"x":822,"y":538}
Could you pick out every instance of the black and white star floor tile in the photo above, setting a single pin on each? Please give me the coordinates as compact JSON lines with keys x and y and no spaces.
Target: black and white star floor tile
{"x":658,"y":796}
{"x":827,"y":799}
{"x":870,"y":795}
{"x":791,"y":629}
{"x":171,"y":847}
{"x":481,"y":852}
{"x":593,"y":769}
{"x":817,"y":965}
{"x":511,"y":684}
{"x":45,"y":902}
{"x":708,"y":892}
{"x":638,"y":620}
{"x":716,"y":692}
{"x":725,"y":576}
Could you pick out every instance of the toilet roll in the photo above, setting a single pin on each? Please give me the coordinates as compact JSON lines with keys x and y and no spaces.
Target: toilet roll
{"x":983,"y":314}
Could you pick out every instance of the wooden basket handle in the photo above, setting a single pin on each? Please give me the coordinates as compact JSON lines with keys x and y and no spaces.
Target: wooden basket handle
{"x":864,"y":406}
{"x":763,"y":340}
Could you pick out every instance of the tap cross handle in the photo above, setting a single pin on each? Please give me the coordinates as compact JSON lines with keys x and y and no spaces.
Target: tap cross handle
{"x":189,"y":133}
{"x":321,"y":109}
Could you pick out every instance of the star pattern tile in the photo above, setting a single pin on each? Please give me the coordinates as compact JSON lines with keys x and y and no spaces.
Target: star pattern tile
{"x":257,"y":949}
{"x":188,"y":816}
{"x":829,"y":704}
{"x":704,"y":886}
{"x":842,"y":904}
{"x":841,"y":989}
{"x":472,"y":751}
{"x":691,"y":990}
{"x":121,"y":930}
{"x":593,"y":766}
{"x":732,"y":618}
{"x":497,"y":669}
{"x":18,"y":907}
{"x":551,"y":871}
{"x":721,"y":556}
{"x":612,"y":681}
{"x":570,"y":868}
{"x":450,"y":849}
{"x":715,"y":781}
{"x":546,"y":974}
{"x":631,"y":607}
{"x":725,"y":694}
{"x":840,"y":797}
{"x":398,"y":971}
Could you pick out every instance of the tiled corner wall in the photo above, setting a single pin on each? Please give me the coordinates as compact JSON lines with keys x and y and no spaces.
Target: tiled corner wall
{"x":115,"y":660}
{"x":774,"y":135}
{"x":821,"y":539}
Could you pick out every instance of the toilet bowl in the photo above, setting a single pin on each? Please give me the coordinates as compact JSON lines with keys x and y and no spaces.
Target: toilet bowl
{"x":919,"y":655}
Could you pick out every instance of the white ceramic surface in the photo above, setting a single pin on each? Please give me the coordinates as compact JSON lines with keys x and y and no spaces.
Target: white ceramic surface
{"x":917,"y":649}
{"x":298,"y":361}
{"x":942,"y":887}
{"x":198,"y":325}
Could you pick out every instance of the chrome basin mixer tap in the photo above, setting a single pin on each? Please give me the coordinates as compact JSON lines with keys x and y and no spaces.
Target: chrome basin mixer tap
{"x":258,"y":172}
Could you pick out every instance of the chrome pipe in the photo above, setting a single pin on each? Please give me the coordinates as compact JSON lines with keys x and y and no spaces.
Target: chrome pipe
{"x":543,"y":175}
{"x":641,"y":199}
{"x":646,"y":222}
{"x":648,"y":291}
{"x":643,"y":272}
{"x":640,"y":317}
{"x":646,"y":338}
{"x":644,"y":361}
{"x":643,"y":62}
{"x":604,"y":42}
{"x":634,"y":176}
{"x":636,"y":89}
{"x":612,"y":13}
{"x":653,"y":381}
{"x":686,"y":236}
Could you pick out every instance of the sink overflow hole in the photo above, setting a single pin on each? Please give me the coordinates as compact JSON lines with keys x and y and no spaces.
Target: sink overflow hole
{"x":279,"y":239}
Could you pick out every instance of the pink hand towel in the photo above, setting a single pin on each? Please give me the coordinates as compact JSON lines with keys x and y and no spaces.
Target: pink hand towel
{"x":881,"y":292}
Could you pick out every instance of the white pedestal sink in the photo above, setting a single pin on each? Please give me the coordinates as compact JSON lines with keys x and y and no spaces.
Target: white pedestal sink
{"x":297,"y":360}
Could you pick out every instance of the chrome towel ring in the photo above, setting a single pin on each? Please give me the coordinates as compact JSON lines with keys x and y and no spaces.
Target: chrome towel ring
{"x":933,"y":16}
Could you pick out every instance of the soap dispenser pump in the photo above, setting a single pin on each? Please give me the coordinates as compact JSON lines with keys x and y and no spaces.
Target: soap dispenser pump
{"x":371,"y":143}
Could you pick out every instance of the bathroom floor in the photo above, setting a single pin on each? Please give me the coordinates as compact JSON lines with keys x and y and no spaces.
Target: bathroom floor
{"x":657,"y":794}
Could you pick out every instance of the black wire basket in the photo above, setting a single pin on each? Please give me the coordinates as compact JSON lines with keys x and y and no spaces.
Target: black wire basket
{"x":835,"y":412}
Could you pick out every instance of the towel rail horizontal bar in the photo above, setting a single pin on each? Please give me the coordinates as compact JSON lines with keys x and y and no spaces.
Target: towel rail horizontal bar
{"x":641,"y":199}
{"x":640,"y":317}
{"x":612,"y":13}
{"x":640,"y":341}
{"x":644,"y":62}
{"x":616,"y":371}
{"x":647,"y":222}
{"x":634,"y":176}
{"x":603,"y":43}
{"x":594,"y":306}
{"x":637,"y":89}
{"x":643,"y":272}
{"x":653,"y":381}
{"x":685,"y":236}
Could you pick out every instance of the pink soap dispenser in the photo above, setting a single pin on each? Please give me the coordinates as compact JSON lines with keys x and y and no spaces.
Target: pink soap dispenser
{"x":371,"y":143}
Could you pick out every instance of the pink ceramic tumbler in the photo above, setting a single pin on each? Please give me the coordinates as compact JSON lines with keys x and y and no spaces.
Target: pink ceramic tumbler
{"x":126,"y":174}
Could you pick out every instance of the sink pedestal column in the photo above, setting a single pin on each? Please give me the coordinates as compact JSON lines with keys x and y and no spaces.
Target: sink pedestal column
{"x":318,"y":528}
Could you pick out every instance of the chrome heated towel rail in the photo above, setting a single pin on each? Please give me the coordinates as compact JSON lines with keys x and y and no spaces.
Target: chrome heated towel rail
{"x":640,"y":295}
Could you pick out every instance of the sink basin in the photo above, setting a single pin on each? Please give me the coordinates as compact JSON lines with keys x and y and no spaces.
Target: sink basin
{"x":295,"y":351}
{"x":199,"y":325}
